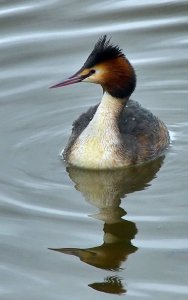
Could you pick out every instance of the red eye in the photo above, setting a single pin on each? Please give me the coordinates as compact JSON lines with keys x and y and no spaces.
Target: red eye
{"x":92,"y":72}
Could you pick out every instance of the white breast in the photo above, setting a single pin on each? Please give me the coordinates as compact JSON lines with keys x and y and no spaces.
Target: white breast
{"x":97,"y":146}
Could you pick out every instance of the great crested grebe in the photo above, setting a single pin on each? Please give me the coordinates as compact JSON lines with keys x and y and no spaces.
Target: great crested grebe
{"x":117,"y":132}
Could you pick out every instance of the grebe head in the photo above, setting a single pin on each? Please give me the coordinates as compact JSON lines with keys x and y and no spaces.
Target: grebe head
{"x":107,"y":66}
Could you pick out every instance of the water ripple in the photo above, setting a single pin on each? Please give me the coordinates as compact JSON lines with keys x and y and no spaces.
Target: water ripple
{"x":107,"y":6}
{"x":160,"y":287}
{"x":41,"y":209}
{"x":19,"y":9}
{"x":163,"y":244}
{"x":53,"y":35}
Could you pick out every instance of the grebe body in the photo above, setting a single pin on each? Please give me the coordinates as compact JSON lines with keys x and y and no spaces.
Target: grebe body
{"x":118,"y":132}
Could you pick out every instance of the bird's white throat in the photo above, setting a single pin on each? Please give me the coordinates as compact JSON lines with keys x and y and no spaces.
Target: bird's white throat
{"x":96,"y":147}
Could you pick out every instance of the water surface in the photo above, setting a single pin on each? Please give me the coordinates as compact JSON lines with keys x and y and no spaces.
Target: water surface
{"x":69,"y":234}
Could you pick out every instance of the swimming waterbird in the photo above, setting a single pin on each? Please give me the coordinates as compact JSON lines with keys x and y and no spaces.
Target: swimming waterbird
{"x":117,"y":132}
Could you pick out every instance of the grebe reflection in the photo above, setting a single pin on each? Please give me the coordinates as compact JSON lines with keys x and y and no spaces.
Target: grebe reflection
{"x":104,"y":190}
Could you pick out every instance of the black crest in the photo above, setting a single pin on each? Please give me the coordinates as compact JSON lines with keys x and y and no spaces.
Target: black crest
{"x":103,"y":51}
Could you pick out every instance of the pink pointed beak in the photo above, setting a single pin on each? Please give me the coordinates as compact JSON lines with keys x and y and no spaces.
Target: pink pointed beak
{"x":71,"y":80}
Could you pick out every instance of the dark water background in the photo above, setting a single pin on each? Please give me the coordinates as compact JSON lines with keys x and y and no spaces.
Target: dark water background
{"x":115,"y":233}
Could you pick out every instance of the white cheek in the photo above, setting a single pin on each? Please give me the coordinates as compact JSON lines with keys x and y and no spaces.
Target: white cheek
{"x":88,"y":79}
{"x":95,"y":78}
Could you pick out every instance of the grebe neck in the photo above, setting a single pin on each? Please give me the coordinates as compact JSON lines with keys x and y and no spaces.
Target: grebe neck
{"x":97,"y":146}
{"x":109,"y":108}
